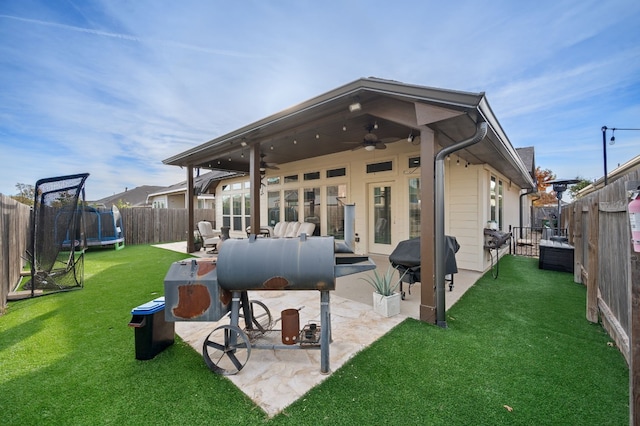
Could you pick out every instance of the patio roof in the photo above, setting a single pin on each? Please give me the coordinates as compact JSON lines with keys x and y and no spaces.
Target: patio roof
{"x":325,"y":125}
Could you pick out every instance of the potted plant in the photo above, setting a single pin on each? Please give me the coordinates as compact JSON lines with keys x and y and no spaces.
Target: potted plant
{"x":197,"y":241}
{"x":386,"y":301}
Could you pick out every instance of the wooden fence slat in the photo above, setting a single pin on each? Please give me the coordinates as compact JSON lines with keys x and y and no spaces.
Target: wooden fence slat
{"x":14,"y":239}
{"x":592,"y":268}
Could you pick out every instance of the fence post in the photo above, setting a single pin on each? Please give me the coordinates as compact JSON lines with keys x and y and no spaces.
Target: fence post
{"x":634,"y":323}
{"x":634,"y":345}
{"x":592,"y":268}
{"x":577,"y":242}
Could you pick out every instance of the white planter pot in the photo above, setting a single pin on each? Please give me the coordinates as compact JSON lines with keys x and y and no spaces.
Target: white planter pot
{"x":387,"y":306}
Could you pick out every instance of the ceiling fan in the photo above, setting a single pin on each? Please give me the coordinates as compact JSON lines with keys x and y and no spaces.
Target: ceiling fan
{"x":370,"y":141}
{"x":264,"y":165}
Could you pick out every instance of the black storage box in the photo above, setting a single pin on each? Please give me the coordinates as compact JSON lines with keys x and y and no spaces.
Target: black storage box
{"x":152,"y":333}
{"x":556,"y":256}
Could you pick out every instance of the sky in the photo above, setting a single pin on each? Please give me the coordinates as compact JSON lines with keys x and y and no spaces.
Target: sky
{"x":114,"y":87}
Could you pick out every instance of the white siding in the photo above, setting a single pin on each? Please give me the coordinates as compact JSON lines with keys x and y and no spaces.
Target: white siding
{"x":466,"y":196}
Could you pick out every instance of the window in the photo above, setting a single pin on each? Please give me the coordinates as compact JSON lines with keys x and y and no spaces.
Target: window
{"x":273,"y":180}
{"x":382,"y":214}
{"x":380,"y":167}
{"x":237,"y":212}
{"x":337,"y":172}
{"x":335,"y":210}
{"x":291,"y":205}
{"x":273,"y":207}
{"x":414,"y":162}
{"x":496,"y":207}
{"x":312,"y":207}
{"x":312,"y":176}
{"x":500,"y":205}
{"x":414,"y":207}
{"x":291,"y":179}
{"x":236,"y":205}
{"x":226,"y":210}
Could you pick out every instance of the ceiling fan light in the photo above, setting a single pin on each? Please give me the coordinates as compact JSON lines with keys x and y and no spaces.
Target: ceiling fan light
{"x":370,"y":147}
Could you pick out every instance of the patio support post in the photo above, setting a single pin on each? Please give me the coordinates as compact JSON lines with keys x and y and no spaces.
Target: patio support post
{"x":191,"y":226}
{"x":254,"y":178}
{"x":481,"y":132}
{"x":427,"y":233}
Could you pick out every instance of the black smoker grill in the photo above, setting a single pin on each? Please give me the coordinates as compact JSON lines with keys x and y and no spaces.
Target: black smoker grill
{"x":305,"y":263}
{"x":406,"y":259}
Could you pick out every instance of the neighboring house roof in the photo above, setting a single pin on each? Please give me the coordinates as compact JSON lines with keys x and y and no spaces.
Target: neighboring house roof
{"x":528,"y":156}
{"x":322,"y":125}
{"x":135,"y":197}
{"x":612,"y":176}
{"x":202,"y":184}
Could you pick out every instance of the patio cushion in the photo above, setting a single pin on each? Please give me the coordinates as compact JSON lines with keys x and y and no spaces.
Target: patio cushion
{"x":292,"y":229}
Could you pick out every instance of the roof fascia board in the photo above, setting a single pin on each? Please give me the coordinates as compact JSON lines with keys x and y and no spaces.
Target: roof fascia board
{"x":503,"y":144}
{"x":344,"y":91}
{"x":383,"y":87}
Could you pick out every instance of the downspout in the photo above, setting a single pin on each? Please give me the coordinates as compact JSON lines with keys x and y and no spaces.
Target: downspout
{"x":481,"y":132}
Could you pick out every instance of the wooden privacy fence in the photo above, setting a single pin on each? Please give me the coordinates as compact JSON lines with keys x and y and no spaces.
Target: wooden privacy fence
{"x":606,"y":262}
{"x":599,"y":229}
{"x":14,"y":237}
{"x":141,"y":226}
{"x":153,"y":226}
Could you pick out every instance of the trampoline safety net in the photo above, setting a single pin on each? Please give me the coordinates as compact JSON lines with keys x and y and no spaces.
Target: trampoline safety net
{"x":58,"y":241}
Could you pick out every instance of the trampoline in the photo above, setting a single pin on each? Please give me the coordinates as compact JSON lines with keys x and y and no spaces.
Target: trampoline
{"x":103,"y":228}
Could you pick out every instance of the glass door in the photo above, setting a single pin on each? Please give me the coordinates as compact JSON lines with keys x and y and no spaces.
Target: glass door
{"x":380,"y":218}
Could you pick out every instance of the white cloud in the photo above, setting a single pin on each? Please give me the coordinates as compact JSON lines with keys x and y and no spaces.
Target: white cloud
{"x":120,"y":86}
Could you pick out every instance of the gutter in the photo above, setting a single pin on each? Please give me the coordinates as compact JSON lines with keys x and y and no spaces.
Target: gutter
{"x":481,"y":132}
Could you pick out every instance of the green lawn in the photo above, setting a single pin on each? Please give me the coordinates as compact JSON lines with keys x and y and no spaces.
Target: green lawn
{"x":518,"y":350}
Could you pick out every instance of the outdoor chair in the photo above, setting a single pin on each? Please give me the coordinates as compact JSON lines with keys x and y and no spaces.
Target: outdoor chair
{"x":210,"y":237}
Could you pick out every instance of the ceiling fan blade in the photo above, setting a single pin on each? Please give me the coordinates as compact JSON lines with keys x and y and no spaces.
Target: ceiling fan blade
{"x":390,"y":140}
{"x":380,"y":145}
{"x":360,"y":146}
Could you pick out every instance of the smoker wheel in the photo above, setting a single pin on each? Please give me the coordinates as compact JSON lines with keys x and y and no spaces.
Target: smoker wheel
{"x":262,"y":319}
{"x":226,"y":350}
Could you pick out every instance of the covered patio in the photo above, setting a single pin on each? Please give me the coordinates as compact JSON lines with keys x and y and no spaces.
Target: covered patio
{"x":440,"y":122}
{"x":274,"y":379}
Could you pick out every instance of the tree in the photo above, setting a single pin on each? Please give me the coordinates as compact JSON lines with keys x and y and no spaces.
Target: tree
{"x":25,"y":194}
{"x":574,"y":189}
{"x":121,"y":204}
{"x":543,"y":177}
